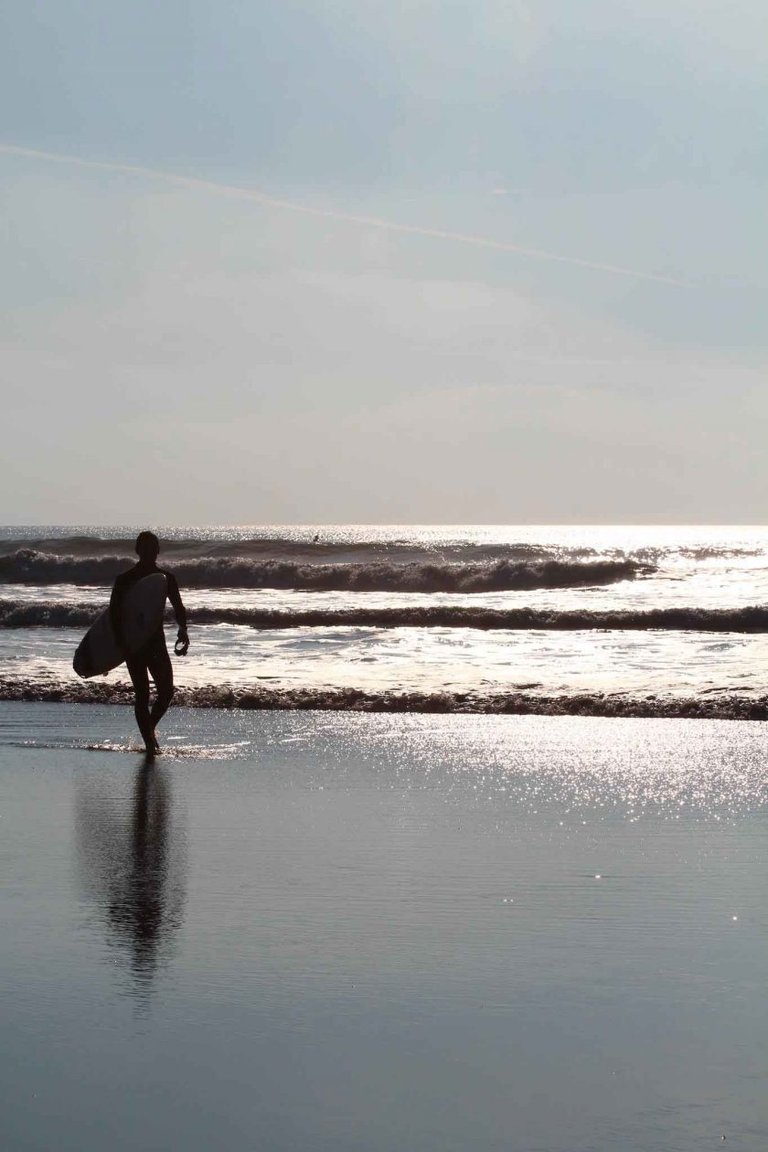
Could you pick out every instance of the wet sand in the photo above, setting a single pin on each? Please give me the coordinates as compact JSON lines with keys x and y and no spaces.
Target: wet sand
{"x":304,"y":930}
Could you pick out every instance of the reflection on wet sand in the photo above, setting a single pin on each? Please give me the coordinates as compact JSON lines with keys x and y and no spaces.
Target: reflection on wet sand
{"x":132,"y":864}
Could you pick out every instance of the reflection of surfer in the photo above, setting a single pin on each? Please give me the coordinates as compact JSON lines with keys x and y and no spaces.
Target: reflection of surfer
{"x":137,"y":907}
{"x":133,"y":864}
{"x":152,"y":659}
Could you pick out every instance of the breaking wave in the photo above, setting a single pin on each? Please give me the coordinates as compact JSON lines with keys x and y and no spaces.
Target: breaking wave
{"x":27,"y":566}
{"x":726,"y":706}
{"x":22,"y":614}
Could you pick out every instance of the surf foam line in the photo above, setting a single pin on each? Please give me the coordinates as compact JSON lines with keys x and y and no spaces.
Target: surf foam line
{"x":613,"y":705}
{"x":251,"y":194}
{"x":754,"y":620}
{"x":26,"y":566}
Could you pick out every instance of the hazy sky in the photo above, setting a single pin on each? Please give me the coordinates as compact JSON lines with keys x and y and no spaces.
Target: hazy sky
{"x":263,"y":300}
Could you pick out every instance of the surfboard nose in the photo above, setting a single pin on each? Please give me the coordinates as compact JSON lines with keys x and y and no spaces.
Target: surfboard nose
{"x":83,"y":661}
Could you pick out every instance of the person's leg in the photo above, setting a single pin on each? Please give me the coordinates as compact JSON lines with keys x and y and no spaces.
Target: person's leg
{"x":161,"y":670}
{"x":137,"y":670}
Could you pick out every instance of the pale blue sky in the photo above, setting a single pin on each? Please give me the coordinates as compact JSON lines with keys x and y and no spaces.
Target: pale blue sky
{"x":172,"y":351}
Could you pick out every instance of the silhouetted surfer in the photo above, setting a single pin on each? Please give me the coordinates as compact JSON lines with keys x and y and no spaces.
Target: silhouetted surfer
{"x":153,"y":659}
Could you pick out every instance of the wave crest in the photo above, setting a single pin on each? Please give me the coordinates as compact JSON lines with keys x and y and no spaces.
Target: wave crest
{"x":27,"y":566}
{"x":22,"y":614}
{"x":727,"y":706}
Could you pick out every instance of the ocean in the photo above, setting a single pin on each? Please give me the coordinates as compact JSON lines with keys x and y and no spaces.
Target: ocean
{"x":597,"y":620}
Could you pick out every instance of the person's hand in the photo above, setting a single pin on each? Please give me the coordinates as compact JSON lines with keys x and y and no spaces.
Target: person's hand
{"x":181,"y":647}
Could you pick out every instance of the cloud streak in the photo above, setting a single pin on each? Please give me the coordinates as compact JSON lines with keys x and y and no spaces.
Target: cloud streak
{"x":254,"y":196}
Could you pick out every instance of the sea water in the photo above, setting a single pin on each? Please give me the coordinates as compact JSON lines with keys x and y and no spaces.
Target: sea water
{"x":469,"y":614}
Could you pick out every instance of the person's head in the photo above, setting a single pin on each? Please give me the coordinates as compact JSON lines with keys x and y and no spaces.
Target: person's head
{"x":147,"y":547}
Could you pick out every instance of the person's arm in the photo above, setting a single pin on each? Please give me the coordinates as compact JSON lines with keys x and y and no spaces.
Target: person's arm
{"x":180,"y":612}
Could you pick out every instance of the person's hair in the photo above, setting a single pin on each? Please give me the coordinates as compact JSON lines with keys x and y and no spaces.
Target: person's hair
{"x":147,"y":542}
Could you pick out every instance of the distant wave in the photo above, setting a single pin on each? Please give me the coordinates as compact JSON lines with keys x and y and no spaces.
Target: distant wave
{"x":22,"y":614}
{"x":27,"y":566}
{"x":310,"y":550}
{"x":726,"y":706}
{"x":329,"y":545}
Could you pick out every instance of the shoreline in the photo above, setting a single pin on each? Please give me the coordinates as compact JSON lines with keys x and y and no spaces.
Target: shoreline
{"x":725,"y":706}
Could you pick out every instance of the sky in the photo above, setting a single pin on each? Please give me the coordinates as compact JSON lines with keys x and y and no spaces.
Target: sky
{"x":281,"y":261}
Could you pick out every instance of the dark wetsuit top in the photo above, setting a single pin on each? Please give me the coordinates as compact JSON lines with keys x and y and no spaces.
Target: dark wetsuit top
{"x":153,"y":656}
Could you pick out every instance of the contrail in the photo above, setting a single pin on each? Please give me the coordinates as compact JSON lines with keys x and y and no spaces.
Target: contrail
{"x":257,"y":197}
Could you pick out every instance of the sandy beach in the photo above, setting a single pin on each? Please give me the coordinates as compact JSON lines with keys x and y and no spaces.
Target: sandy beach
{"x":338,"y":931}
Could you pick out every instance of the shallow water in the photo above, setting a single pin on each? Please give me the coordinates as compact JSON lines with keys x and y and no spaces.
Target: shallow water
{"x":427,"y":660}
{"x":366,"y":932}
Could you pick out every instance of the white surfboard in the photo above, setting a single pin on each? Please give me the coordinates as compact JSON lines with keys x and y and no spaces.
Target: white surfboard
{"x":142,"y":612}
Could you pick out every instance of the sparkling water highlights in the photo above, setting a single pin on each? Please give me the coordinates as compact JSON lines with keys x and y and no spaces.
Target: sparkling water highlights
{"x":324,"y":931}
{"x":600,"y":613}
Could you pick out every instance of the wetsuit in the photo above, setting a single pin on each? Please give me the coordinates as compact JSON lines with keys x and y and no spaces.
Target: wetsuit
{"x":152,"y":659}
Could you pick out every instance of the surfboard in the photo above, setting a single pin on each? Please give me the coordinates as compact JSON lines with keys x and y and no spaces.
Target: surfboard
{"x":142,"y":612}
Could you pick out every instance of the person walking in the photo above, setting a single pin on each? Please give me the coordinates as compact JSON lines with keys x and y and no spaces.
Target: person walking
{"x":152,"y":658}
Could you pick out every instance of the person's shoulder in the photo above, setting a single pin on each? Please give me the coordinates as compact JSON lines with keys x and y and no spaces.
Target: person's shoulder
{"x":172,"y":581}
{"x":124,"y":578}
